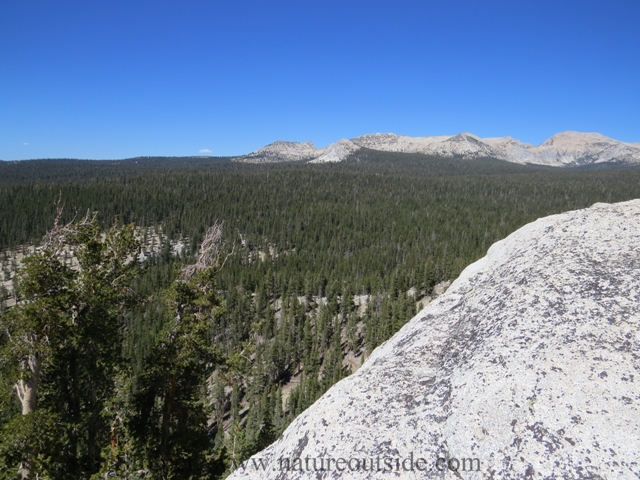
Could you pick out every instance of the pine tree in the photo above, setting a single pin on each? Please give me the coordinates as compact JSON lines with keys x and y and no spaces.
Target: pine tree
{"x":170,"y":425}
{"x":62,"y":348}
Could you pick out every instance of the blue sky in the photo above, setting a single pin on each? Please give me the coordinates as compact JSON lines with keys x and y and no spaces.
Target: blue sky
{"x":115,"y":79}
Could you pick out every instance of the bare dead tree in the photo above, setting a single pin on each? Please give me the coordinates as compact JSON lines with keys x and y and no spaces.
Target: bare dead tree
{"x":211,"y":250}
{"x":57,"y":236}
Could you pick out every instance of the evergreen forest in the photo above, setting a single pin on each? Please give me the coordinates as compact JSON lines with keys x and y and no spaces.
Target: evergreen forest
{"x":267,"y":284}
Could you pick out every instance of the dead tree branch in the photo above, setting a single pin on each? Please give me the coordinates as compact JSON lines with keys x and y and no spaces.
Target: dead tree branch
{"x":210,"y":253}
{"x":56,"y":238}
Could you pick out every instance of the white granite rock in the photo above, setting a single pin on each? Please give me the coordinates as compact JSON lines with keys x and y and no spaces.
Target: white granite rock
{"x":336,"y":152}
{"x":282,"y":152}
{"x":529,"y":363}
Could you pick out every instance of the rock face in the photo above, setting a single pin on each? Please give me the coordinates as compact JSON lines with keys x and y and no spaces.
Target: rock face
{"x":573,"y":148}
{"x":337,"y":152}
{"x":565,"y":149}
{"x":282,"y":152}
{"x":527,"y":367}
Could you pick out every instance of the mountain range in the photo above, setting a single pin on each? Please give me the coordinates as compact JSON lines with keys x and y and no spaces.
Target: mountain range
{"x":565,"y":149}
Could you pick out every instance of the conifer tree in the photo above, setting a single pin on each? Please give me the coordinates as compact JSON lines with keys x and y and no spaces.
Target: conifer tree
{"x":169,"y":426}
{"x":62,"y":346}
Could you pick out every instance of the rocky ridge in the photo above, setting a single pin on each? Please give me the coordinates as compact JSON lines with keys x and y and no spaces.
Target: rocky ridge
{"x":565,"y":149}
{"x":283,"y":152}
{"x":527,"y":367}
{"x":336,"y":152}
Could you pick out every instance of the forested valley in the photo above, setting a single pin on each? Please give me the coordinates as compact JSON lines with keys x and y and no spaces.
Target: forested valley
{"x":187,"y":361}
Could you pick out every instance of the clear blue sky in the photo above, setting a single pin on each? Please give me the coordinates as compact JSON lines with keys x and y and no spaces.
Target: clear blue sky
{"x":114,"y":78}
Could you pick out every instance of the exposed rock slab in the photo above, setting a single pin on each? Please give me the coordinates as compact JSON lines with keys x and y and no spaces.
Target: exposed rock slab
{"x":530,"y":363}
{"x":282,"y":152}
{"x":336,"y":152}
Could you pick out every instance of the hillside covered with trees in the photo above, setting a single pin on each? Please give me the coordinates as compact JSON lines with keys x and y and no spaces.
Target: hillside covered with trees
{"x":182,"y":375}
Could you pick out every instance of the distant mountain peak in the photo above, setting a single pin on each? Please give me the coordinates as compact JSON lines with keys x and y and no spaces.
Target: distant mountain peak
{"x":570,"y":138}
{"x":337,"y":152}
{"x":464,"y":137}
{"x":282,"y":151}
